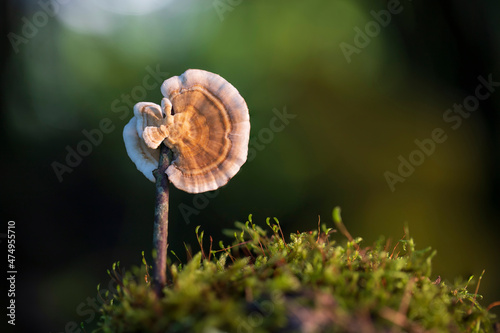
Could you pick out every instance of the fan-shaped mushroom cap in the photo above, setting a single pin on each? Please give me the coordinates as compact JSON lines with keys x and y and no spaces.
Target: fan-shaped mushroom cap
{"x":205,"y":122}
{"x":209,"y":133}
{"x":152,"y":122}
{"x":145,"y":158}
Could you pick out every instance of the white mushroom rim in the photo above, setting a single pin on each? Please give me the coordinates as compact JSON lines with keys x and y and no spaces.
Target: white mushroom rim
{"x":204,"y":121}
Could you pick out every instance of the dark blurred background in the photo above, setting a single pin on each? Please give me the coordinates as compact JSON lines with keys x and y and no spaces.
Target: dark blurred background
{"x":355,"y":102}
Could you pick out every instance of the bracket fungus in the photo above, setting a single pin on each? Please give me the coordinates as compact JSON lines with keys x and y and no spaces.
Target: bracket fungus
{"x":204,"y":121}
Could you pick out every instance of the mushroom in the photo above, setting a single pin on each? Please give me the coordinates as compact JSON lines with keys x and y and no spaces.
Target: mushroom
{"x":204,"y":121}
{"x":145,"y":158}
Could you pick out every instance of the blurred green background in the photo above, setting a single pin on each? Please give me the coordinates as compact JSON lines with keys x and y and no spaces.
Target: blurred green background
{"x":70,"y":65}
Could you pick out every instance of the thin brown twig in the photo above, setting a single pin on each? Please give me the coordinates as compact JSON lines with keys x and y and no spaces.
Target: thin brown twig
{"x":341,"y":226}
{"x":160,"y":232}
{"x":478,"y":284}
{"x":319,"y":228}
{"x":189,"y":255}
{"x":396,"y":246}
{"x":492,"y":305}
{"x":200,"y":242}
{"x":210,"y":251}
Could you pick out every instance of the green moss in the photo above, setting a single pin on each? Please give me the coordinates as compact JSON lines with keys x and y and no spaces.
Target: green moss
{"x":310,"y":284}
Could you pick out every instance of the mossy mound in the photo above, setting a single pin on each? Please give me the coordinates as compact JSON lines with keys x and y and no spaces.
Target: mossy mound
{"x":309,"y":284}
